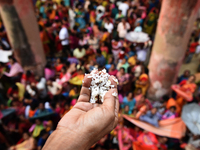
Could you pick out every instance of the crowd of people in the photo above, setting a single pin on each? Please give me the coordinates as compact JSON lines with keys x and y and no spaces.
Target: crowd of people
{"x":78,"y":36}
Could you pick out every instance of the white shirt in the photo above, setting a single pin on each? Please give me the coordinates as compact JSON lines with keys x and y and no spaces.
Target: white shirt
{"x":100,"y":7}
{"x":123,"y":30}
{"x":123,"y":7}
{"x":141,"y":55}
{"x":54,"y":88}
{"x":41,"y":86}
{"x":197,"y":49}
{"x":63,"y":34}
{"x":109,"y":27}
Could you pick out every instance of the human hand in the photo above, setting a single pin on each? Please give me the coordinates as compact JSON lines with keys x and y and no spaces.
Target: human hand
{"x":85,"y":123}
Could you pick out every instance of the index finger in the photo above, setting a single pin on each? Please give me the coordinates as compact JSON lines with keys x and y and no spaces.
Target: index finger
{"x":85,"y":91}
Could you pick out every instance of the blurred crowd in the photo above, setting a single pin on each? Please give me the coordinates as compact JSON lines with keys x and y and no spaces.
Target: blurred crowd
{"x":78,"y":36}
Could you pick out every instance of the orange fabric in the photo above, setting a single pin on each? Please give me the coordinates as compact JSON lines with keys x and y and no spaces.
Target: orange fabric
{"x":173,"y":128}
{"x":186,"y":91}
{"x":142,"y":110}
{"x":52,"y":15}
{"x":172,"y":102}
{"x":31,"y":113}
{"x":140,"y":146}
{"x":143,"y":77}
{"x":41,"y":23}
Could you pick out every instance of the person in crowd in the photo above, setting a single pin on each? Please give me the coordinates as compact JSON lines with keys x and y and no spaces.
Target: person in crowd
{"x":170,"y":114}
{"x":112,"y":71}
{"x":54,"y":88}
{"x":101,"y":61}
{"x":108,"y":25}
{"x":124,"y":7}
{"x":41,"y":109}
{"x":43,"y":137}
{"x":123,"y":78}
{"x":93,"y":42}
{"x":116,"y":48}
{"x":185,"y":76}
{"x":142,"y":82}
{"x":64,"y":37}
{"x":130,"y":102}
{"x":27,"y":142}
{"x":151,"y":117}
{"x":123,"y":28}
{"x":79,"y":52}
{"x":16,"y":70}
{"x":123,"y":64}
{"x":119,"y":15}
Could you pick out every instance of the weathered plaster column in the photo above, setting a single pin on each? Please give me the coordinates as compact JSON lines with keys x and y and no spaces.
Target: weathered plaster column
{"x":174,"y":29}
{"x":23,"y":33}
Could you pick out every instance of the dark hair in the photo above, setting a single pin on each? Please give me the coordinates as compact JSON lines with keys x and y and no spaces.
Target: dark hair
{"x":11,"y":57}
{"x":64,"y":68}
{"x":165,"y":98}
{"x":43,"y":132}
{"x":129,"y":93}
{"x":98,"y":51}
{"x":122,"y":68}
{"x":27,"y":95}
{"x":67,"y":63}
{"x":100,"y":11}
{"x":48,"y":24}
{"x":196,"y":39}
{"x":15,"y":87}
{"x":173,"y":107}
{"x":129,"y":70}
{"x":40,"y":28}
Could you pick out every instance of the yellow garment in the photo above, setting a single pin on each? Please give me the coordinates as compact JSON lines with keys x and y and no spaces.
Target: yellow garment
{"x":77,"y":80}
{"x":37,"y":130}
{"x":132,"y":61}
{"x":104,"y":37}
{"x":21,"y":90}
{"x":52,"y":15}
{"x":57,"y":1}
{"x":143,"y":78}
{"x":104,"y":53}
{"x":26,"y":145}
{"x":72,"y":92}
{"x":105,"y":3}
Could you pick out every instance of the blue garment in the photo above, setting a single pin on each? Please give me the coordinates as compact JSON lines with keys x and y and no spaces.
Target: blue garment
{"x":42,"y":11}
{"x":67,"y":2}
{"x":41,"y":142}
{"x":150,"y":118}
{"x":131,"y":104}
{"x":39,"y":112}
{"x":101,"y":61}
{"x":108,"y":66}
{"x":91,"y":68}
{"x":130,"y":53}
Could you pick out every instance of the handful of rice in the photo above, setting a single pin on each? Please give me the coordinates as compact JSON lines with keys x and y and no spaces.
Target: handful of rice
{"x":100,"y":85}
